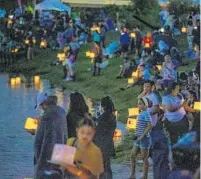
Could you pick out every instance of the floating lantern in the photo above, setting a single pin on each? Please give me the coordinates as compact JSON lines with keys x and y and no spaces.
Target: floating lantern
{"x":130,"y":80}
{"x":135,"y":74}
{"x":133,"y":111}
{"x":36,"y":79}
{"x":147,"y":45}
{"x":18,"y":80}
{"x":26,"y":41}
{"x":88,"y":54}
{"x":31,"y":124}
{"x":159,"y":67}
{"x":117,"y":133}
{"x":131,"y":123}
{"x":183,"y":29}
{"x":197,"y":106}
{"x":133,"y":35}
{"x":12,"y":81}
{"x":92,"y":55}
{"x":10,"y":21}
{"x":43,"y":44}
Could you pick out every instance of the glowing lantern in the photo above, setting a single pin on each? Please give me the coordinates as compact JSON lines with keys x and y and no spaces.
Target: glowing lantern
{"x":117,"y":139}
{"x":36,"y":79}
{"x":18,"y":80}
{"x":147,"y":45}
{"x":133,"y":35}
{"x":31,"y":124}
{"x":43,"y":44}
{"x":131,"y":123}
{"x":117,"y":133}
{"x":135,"y":74}
{"x":133,"y":111}
{"x":95,"y":28}
{"x":88,"y":54}
{"x":183,"y":29}
{"x":159,"y":67}
{"x":12,"y":81}
{"x":10,"y":21}
{"x":130,"y":81}
{"x":92,"y":55}
{"x":197,"y":106}
{"x":61,"y":56}
{"x":26,"y":41}
{"x":34,"y":41}
{"x":162,"y":30}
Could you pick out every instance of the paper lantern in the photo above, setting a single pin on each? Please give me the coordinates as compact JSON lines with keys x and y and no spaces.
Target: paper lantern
{"x":34,"y":41}
{"x":130,"y":81}
{"x":43,"y":44}
{"x":133,"y":111}
{"x":36,"y":79}
{"x":26,"y":41}
{"x":117,"y":139}
{"x":31,"y":124}
{"x":131,"y":123}
{"x":18,"y":80}
{"x":88,"y":54}
{"x":133,"y":35}
{"x":10,"y":21}
{"x":12,"y":81}
{"x":117,"y":133}
{"x":135,"y":74}
{"x":61,"y":56}
{"x":183,"y":29}
{"x":197,"y":106}
{"x":159,"y":67}
{"x":147,"y":45}
{"x":162,"y":30}
{"x":92,"y":55}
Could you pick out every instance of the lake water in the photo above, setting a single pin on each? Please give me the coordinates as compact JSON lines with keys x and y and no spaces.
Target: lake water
{"x":17,"y":102}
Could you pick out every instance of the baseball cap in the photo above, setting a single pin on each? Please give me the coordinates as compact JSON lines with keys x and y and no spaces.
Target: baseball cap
{"x":41,"y":98}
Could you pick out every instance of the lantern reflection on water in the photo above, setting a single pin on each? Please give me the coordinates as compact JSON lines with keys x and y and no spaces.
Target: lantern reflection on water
{"x":131,"y":123}
{"x":197,"y":106}
{"x":31,"y":124}
{"x":18,"y":80}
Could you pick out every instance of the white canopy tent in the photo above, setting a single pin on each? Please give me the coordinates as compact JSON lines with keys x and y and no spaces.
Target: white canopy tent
{"x":52,"y":5}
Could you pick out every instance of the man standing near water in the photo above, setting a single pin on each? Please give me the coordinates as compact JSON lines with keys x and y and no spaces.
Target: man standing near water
{"x":51,"y":130}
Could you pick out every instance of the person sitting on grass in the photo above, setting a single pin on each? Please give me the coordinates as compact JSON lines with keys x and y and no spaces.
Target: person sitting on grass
{"x":88,"y":157}
{"x":143,"y":142}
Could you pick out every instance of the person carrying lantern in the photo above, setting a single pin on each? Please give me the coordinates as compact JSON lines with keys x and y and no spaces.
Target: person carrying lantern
{"x":148,"y":41}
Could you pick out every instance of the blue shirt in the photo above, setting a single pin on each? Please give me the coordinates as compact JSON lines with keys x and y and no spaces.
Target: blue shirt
{"x":174,"y":101}
{"x":96,"y":37}
{"x":142,"y":122}
{"x":146,"y":75}
{"x":124,"y":39}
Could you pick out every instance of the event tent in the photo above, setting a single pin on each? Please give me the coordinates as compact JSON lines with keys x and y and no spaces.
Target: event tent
{"x":52,"y":5}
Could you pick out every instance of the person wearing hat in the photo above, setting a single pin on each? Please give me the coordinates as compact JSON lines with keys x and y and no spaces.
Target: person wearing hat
{"x":143,"y":142}
{"x":52,"y":130}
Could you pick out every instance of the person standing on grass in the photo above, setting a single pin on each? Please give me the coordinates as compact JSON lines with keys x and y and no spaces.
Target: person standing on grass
{"x":143,"y":142}
{"x":190,"y":35}
{"x":97,"y":59}
{"x":124,"y":41}
{"x":104,"y":135}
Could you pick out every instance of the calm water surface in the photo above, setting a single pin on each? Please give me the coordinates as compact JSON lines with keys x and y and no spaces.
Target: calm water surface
{"x":16,"y":104}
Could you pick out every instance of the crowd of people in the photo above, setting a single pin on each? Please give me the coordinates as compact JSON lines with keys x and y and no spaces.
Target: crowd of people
{"x":165,"y":103}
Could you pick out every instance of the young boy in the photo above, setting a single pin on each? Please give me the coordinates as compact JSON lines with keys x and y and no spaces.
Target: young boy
{"x":143,"y":142}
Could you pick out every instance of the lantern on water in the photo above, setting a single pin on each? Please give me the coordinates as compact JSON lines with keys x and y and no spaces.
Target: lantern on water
{"x":133,"y":35}
{"x":88,"y":54}
{"x":131,"y":123}
{"x":147,"y":45}
{"x":92,"y":55}
{"x":130,"y":81}
{"x":117,"y":133}
{"x":159,"y":67}
{"x":36,"y":79}
{"x":135,"y":74}
{"x":18,"y":80}
{"x":133,"y":111}
{"x":183,"y":29}
{"x":197,"y":106}
{"x":12,"y":81}
{"x":31,"y":124}
{"x":26,"y":42}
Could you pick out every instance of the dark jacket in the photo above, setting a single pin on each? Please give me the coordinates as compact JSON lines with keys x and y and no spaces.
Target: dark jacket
{"x":52,"y":130}
{"x":104,"y":133}
{"x":72,"y":121}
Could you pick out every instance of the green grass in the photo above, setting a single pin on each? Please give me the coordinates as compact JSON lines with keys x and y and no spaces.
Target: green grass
{"x":93,"y":87}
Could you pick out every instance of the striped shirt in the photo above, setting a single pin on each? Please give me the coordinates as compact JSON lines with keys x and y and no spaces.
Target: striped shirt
{"x":142,"y":122}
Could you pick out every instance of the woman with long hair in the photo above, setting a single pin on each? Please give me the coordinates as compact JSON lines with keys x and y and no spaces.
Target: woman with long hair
{"x":77,"y":110}
{"x":104,"y":135}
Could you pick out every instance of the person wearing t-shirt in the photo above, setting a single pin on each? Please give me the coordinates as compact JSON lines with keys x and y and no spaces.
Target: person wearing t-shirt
{"x":143,"y":142}
{"x":190,"y":35}
{"x":175,"y":114}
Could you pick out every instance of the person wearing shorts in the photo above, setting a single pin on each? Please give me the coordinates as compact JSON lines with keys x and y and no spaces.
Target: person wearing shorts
{"x":124,"y":41}
{"x":143,"y":142}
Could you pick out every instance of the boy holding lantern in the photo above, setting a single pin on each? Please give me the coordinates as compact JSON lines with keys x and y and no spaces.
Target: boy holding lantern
{"x":143,"y":142}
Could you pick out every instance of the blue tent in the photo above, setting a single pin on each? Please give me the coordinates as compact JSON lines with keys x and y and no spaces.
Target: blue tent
{"x":53,"y":5}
